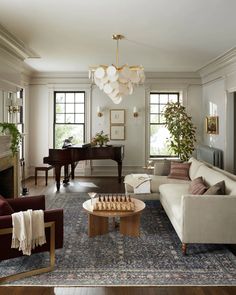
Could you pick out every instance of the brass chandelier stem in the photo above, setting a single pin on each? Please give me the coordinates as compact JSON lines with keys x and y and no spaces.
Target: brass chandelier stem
{"x":117,"y":53}
{"x":117,"y":37}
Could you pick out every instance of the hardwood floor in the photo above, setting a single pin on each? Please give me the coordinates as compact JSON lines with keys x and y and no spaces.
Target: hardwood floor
{"x":106,"y":185}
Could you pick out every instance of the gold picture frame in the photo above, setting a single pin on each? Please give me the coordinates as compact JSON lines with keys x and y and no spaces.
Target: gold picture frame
{"x":212,"y":125}
{"x":117,"y":116}
{"x":117,"y":132}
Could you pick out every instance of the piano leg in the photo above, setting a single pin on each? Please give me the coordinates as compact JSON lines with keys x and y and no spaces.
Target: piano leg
{"x":66,"y":175}
{"x":58,"y":176}
{"x":119,"y":170}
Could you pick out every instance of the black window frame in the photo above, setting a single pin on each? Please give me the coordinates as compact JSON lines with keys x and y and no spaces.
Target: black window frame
{"x":54,"y":119}
{"x":160,"y":123}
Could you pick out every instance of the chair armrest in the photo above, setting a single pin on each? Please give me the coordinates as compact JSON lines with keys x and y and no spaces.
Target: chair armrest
{"x":25,"y":203}
{"x":209,"y":218}
{"x":57,"y":216}
{"x":5,"y":221}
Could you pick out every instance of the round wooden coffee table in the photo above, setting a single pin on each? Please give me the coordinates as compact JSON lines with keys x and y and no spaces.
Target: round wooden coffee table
{"x":129,"y":221}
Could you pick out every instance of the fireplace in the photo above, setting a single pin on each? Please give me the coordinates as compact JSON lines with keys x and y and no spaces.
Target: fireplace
{"x":9,"y":170}
{"x":7,"y":182}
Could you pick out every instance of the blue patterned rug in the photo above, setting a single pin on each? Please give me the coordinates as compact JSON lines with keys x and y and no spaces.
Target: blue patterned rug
{"x":154,"y":258}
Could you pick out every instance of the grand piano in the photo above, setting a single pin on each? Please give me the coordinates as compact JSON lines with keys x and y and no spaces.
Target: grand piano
{"x":75,"y":153}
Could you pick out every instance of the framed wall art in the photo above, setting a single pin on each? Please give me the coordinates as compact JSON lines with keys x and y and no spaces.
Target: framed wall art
{"x":212,"y":125}
{"x":117,"y":132}
{"x":117,"y":117}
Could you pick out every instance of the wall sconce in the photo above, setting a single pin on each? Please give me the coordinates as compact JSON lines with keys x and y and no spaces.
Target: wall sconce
{"x":13,"y":103}
{"x":99,"y":112}
{"x":135,"y":112}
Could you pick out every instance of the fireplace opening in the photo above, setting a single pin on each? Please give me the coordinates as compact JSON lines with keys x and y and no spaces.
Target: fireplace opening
{"x":7,"y":182}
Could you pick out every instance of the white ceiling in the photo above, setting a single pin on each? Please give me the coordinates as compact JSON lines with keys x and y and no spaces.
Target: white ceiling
{"x":162,"y":35}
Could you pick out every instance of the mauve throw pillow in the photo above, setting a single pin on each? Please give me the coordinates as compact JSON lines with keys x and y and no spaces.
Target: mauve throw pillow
{"x":179,"y":170}
{"x":216,"y":189}
{"x":197,"y":186}
{"x":5,"y":208}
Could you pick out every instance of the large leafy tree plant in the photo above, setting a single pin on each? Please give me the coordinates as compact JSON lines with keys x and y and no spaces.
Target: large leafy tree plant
{"x":182,"y":131}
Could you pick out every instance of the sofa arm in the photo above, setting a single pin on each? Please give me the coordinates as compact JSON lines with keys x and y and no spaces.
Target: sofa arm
{"x":209,"y":219}
{"x":25,"y":203}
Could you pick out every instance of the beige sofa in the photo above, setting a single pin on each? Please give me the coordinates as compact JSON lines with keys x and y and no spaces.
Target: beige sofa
{"x":197,"y":218}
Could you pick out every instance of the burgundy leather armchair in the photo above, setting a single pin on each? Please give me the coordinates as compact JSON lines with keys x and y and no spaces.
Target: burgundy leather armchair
{"x":34,"y":203}
{"x":53,"y":220}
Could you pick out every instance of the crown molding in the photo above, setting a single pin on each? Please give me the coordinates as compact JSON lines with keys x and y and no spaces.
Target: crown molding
{"x":15,"y":46}
{"x":218,"y":63}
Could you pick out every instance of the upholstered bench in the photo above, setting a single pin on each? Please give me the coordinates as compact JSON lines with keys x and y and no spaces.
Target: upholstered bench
{"x":45,"y":168}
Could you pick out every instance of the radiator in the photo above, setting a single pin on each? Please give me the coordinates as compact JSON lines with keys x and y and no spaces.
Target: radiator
{"x":210,"y":155}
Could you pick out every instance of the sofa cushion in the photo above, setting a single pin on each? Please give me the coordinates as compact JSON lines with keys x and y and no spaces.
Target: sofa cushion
{"x":179,"y":170}
{"x":156,"y":181}
{"x":211,"y":177}
{"x":195,"y":164}
{"x":216,"y":189}
{"x":5,"y":208}
{"x":197,"y":186}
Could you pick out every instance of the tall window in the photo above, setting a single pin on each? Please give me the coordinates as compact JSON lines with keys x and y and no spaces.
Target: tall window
{"x":69,"y":117}
{"x":158,"y":132}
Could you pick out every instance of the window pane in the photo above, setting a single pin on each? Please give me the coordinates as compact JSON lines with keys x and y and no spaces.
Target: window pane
{"x":70,"y":98}
{"x":64,"y":131}
{"x":154,"y":118}
{"x":79,"y":97}
{"x":162,"y":119}
{"x":70,"y":108}
{"x":158,"y":140}
{"x":154,"y":108}
{"x":158,"y":131}
{"x":70,"y":118}
{"x":60,"y":118}
{"x":173,"y":98}
{"x":162,"y":107}
{"x":60,"y":97}
{"x":60,"y":108}
{"x":154,"y":98}
{"x":79,"y":118}
{"x":163,"y":98}
{"x":79,"y":108}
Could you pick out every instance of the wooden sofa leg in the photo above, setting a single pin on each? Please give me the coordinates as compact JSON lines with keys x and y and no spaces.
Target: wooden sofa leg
{"x":184,"y":248}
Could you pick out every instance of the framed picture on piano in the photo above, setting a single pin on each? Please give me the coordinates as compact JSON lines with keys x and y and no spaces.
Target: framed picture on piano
{"x":117,"y":132}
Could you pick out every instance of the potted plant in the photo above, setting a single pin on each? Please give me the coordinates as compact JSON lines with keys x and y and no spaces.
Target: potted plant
{"x":100,"y":138}
{"x":11,"y":129}
{"x":182,"y":131}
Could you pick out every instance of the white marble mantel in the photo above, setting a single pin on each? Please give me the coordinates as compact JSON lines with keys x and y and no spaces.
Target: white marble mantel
{"x":5,"y":143}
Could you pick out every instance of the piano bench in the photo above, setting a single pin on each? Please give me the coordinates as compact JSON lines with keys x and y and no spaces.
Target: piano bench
{"x":42,"y":168}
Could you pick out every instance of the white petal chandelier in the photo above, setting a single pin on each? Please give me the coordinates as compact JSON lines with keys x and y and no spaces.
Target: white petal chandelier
{"x":117,"y":81}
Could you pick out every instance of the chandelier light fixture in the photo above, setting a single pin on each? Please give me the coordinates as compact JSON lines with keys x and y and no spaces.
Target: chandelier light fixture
{"x":114,"y":80}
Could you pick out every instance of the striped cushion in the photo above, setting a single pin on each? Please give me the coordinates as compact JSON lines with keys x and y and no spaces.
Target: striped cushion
{"x":197,"y":186}
{"x":179,"y":170}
